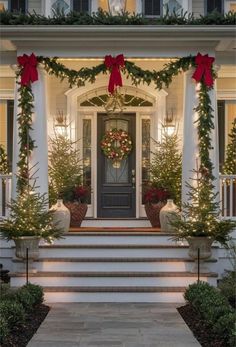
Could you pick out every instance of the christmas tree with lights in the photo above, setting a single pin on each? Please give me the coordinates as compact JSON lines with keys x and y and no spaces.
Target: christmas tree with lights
{"x":229,"y":167}
{"x":4,"y":167}
{"x":166,"y":167}
{"x":65,"y":168}
{"x":29,"y":216}
{"x":201,"y":213}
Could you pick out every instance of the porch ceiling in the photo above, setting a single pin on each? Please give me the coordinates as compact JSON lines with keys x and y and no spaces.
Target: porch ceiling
{"x":133,"y":41}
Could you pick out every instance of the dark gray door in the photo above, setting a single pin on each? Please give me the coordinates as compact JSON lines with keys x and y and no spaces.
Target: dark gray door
{"x":116,"y":185}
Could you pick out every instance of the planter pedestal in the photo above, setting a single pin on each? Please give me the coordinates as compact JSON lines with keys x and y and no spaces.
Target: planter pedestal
{"x":22,"y":243}
{"x":204,"y":245}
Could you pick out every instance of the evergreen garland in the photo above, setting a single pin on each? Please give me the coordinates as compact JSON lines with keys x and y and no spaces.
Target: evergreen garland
{"x":24,"y":119}
{"x":4,"y":168}
{"x":104,"y":18}
{"x":230,"y":161}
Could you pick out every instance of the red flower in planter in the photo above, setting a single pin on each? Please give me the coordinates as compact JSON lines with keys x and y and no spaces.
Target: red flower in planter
{"x":81,"y":193}
{"x":154,"y":195}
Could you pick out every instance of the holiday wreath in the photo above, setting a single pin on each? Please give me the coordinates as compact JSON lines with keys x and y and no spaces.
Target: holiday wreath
{"x":116,"y":144}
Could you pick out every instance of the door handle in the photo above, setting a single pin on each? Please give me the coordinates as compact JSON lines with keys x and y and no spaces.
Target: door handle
{"x":133,"y":180}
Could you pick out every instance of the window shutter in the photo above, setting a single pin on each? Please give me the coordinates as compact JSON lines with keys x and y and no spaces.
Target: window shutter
{"x":221,"y":130}
{"x":81,"y":5}
{"x":152,"y":7}
{"x":214,"y":5}
{"x":18,"y":6}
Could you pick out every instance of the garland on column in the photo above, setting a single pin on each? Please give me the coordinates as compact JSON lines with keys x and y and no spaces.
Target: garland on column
{"x":230,"y":161}
{"x":204,"y":74}
{"x":28,"y":74}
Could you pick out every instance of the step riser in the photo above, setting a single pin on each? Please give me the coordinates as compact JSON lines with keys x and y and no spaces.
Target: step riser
{"x":112,"y":281}
{"x":115,"y":239}
{"x":114,"y":297}
{"x":105,"y":266}
{"x":113,"y":252}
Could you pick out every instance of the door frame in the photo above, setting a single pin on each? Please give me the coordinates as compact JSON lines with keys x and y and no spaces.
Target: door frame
{"x":76,"y":114}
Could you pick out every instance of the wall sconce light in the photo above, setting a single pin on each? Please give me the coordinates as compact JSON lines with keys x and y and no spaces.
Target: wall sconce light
{"x":61,"y":124}
{"x":169,"y":124}
{"x":116,"y":7}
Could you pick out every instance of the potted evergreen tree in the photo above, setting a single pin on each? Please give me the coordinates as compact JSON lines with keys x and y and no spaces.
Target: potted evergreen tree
{"x":29,"y":221}
{"x":200,"y":223}
{"x":65,"y":179}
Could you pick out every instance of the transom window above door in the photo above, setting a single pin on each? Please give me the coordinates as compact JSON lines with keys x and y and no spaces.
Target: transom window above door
{"x":100,"y":98}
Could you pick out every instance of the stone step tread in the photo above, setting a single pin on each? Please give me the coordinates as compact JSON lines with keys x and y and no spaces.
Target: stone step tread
{"x":127,"y":289}
{"x":118,"y":246}
{"x":113,"y":274}
{"x":114,"y":260}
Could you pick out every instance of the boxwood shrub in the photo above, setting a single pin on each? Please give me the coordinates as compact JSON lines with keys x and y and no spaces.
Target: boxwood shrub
{"x":214,"y":309}
{"x":36,"y":292}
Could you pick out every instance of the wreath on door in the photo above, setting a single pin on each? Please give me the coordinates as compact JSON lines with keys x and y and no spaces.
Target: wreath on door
{"x":116,"y":144}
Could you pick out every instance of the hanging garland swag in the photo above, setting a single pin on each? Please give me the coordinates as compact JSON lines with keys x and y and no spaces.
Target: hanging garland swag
{"x":204,"y":74}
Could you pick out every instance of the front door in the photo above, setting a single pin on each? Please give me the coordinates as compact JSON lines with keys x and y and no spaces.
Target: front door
{"x":116,"y":181}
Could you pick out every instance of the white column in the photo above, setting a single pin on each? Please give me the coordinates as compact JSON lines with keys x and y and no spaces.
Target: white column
{"x":39,"y":157}
{"x":190,"y":136}
{"x":16,"y":146}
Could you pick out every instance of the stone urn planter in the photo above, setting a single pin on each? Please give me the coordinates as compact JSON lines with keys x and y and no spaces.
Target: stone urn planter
{"x":203,"y":243}
{"x":77,"y":213}
{"x":153,"y":213}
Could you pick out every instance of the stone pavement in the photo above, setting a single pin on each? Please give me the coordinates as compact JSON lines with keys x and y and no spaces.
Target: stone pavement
{"x":113,"y":325}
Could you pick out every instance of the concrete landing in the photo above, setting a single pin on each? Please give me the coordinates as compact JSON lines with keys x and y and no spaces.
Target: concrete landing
{"x":113,"y":325}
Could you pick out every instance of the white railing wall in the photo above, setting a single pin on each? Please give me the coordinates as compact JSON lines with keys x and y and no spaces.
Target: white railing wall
{"x":228,"y":196}
{"x":5,"y":194}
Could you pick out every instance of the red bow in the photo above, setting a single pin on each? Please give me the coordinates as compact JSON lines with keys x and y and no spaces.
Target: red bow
{"x":29,"y":68}
{"x":114,"y":64}
{"x":203,"y":69}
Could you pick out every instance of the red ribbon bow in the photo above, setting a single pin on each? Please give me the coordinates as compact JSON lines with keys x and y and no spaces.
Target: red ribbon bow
{"x":114,"y":64}
{"x":204,"y":65}
{"x":29,"y":68}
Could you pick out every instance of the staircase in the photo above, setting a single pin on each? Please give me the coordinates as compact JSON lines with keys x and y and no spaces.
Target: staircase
{"x":114,"y":265}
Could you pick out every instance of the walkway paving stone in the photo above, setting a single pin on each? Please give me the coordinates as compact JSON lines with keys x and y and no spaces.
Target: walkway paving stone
{"x":113,"y":325}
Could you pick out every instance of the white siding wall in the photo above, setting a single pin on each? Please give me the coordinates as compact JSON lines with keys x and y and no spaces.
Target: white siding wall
{"x":198,"y":7}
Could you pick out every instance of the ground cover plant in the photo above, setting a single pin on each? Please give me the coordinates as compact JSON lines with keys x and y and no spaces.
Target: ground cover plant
{"x":21,"y":313}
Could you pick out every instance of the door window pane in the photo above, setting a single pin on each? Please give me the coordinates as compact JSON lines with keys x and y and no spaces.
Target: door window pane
{"x":214,"y":5}
{"x":18,"y":6}
{"x":81,"y":5}
{"x":152,"y":7}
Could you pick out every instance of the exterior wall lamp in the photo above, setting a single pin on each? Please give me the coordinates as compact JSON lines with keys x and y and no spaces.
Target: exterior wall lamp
{"x":61,"y":124}
{"x":169,"y":123}
{"x":116,"y":7}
